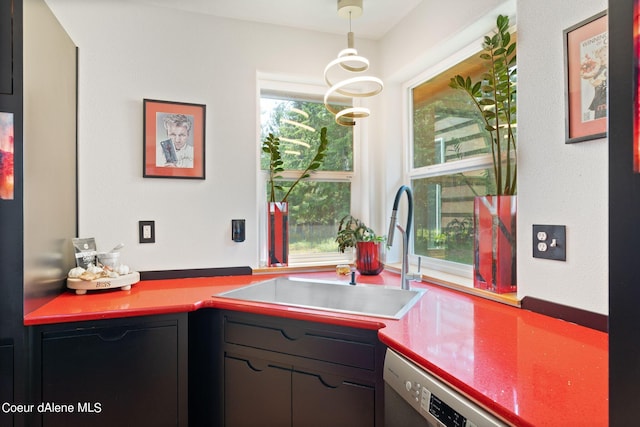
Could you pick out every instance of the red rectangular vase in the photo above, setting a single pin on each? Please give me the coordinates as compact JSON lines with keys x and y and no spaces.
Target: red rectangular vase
{"x":278,"y":234}
{"x":494,"y":266}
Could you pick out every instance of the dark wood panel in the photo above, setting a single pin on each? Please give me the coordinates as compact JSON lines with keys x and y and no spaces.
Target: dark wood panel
{"x":7,"y":49}
{"x":322,"y":344}
{"x":257,"y":393}
{"x":586,"y":318}
{"x":116,"y":372}
{"x":196,"y":272}
{"x":624,"y":233}
{"x":317,"y":403}
{"x":6,"y":381}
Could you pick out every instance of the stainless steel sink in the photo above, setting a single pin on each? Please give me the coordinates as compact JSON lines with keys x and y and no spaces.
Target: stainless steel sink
{"x":333,"y":296}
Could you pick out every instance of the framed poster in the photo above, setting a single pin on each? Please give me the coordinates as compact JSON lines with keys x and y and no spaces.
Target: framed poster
{"x":174,"y":137}
{"x":586,"y":51}
{"x":6,"y":156}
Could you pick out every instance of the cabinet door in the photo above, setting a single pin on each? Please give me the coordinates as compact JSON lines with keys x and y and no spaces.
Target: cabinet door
{"x":126,"y":375}
{"x":256,"y":393}
{"x":323,"y":401}
{"x":7,"y":37}
{"x":6,"y":381}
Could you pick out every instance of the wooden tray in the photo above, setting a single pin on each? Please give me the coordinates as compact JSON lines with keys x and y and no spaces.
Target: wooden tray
{"x":123,"y":282}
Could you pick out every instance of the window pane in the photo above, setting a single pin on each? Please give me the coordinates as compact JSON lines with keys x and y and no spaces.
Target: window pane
{"x":297,"y":123}
{"x":444,"y":214}
{"x":315,"y":209}
{"x":446,"y":123}
{"x":315,"y":206}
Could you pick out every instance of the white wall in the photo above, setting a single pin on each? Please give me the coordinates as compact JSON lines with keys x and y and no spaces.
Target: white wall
{"x":558,"y":183}
{"x":424,"y":40}
{"x":129,"y":52}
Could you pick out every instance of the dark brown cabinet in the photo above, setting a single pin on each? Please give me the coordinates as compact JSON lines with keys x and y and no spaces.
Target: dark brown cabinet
{"x":256,"y":391}
{"x":319,"y":403}
{"x":6,"y":381}
{"x":8,"y":26}
{"x":115,"y":372}
{"x":284,"y":372}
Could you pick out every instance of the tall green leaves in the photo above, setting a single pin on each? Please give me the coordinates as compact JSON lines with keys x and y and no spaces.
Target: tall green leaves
{"x":271,"y":146}
{"x":316,"y":162}
{"x":495,"y":97}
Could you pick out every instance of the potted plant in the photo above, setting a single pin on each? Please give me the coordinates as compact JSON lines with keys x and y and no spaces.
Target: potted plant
{"x":353,"y":233}
{"x":494,"y":96}
{"x":278,"y":211}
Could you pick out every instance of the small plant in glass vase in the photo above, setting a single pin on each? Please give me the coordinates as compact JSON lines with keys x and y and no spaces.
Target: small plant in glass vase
{"x":494,"y":97}
{"x":278,"y":211}
{"x":353,"y":233}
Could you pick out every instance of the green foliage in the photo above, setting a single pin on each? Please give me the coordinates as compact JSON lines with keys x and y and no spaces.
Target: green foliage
{"x":495,"y":98}
{"x":315,"y":163}
{"x":459,"y":233}
{"x":351,"y":230}
{"x":315,"y":205}
{"x":271,"y":146}
{"x":339,"y":155}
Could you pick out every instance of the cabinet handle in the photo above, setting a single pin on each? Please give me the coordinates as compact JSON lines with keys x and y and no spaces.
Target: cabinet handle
{"x":330,"y":381}
{"x":111,"y":336}
{"x":292,"y":334}
{"x":257,"y":366}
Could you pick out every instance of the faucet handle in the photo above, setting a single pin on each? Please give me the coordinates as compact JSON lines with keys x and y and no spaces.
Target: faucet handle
{"x":417,"y":276}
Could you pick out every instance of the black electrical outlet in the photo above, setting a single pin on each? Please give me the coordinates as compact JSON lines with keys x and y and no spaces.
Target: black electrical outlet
{"x":550,"y":242}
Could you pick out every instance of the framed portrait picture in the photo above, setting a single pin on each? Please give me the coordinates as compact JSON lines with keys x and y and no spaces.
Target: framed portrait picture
{"x":586,"y":51}
{"x":173,"y":140}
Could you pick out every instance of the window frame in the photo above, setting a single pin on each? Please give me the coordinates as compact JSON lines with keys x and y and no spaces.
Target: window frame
{"x":315,"y":92}
{"x":463,"y":272}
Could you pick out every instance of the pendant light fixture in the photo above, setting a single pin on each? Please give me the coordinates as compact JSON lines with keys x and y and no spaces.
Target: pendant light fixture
{"x":344,"y":76}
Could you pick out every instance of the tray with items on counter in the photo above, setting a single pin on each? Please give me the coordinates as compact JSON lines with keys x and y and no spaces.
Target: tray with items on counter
{"x":95,"y":278}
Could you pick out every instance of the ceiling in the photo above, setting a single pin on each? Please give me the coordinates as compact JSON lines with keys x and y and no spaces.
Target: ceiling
{"x":378,"y":16}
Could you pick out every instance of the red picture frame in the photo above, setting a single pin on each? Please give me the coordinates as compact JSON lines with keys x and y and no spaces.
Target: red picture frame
{"x":7,"y":175}
{"x":174,"y":139}
{"x":586,"y":49}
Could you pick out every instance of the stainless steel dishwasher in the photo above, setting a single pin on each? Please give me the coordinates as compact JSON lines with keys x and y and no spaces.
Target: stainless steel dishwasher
{"x":413,"y":397}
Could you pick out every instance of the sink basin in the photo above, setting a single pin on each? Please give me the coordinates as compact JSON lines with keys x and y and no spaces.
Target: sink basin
{"x":333,"y":296}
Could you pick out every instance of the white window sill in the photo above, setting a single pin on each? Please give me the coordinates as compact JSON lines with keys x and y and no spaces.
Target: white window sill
{"x":458,"y":283}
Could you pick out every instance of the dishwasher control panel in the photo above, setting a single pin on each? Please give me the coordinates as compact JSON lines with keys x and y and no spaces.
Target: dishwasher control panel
{"x":434,"y":400}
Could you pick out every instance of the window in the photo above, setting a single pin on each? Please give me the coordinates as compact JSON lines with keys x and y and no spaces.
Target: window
{"x":450,"y":164}
{"x":317,"y":204}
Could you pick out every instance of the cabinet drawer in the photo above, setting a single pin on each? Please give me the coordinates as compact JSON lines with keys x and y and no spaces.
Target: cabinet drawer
{"x":341,"y":345}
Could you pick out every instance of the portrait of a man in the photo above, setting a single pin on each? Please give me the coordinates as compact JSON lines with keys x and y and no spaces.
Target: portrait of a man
{"x":176,"y":143}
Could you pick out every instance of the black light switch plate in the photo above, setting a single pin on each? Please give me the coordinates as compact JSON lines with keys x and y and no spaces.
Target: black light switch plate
{"x":550,"y":242}
{"x":147,"y":231}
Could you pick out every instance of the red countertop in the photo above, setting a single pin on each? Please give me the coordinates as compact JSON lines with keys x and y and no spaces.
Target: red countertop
{"x":527,"y":368}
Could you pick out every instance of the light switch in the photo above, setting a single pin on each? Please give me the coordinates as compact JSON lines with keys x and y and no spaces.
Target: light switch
{"x":147,"y":231}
